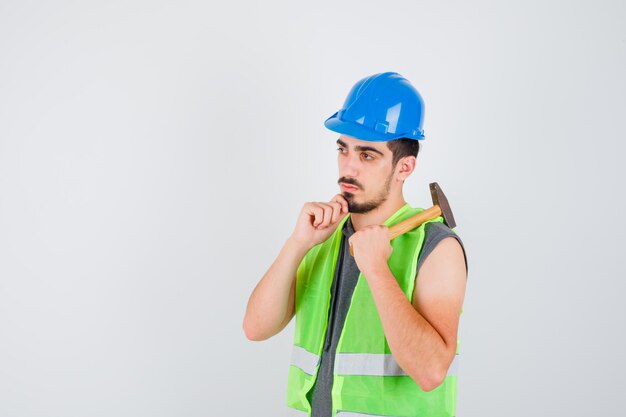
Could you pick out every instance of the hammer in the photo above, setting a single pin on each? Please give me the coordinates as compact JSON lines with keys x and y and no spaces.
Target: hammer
{"x":440,"y":207}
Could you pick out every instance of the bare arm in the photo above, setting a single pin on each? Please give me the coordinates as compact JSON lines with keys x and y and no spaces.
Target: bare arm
{"x":422,"y":336}
{"x":272,"y":303}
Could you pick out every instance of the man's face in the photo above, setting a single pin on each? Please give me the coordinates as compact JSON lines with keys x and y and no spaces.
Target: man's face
{"x":366,"y":166}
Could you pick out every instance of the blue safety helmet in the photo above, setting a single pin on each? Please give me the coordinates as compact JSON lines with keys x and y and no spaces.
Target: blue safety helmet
{"x":380,"y":108}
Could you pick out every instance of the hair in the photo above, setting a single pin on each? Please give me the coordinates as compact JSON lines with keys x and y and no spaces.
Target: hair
{"x":402,"y":147}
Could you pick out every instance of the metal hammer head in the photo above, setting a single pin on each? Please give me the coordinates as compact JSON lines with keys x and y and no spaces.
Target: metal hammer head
{"x":439,"y":199}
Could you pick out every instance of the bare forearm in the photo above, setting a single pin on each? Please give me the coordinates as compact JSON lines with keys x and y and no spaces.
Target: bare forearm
{"x":268,"y":306}
{"x":415,"y":344}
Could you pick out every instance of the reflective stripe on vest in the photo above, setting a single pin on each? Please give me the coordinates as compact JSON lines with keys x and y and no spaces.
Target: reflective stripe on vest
{"x":376,"y":364}
{"x":373,"y":364}
{"x":305,"y":360}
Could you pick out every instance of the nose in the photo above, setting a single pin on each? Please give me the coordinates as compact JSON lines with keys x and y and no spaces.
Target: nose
{"x":348,"y":165}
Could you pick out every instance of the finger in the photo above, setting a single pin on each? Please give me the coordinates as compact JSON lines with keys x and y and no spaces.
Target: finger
{"x":341,"y":200}
{"x":336,"y":211}
{"x":328,"y":215}
{"x":315,"y":212}
{"x":321,"y":215}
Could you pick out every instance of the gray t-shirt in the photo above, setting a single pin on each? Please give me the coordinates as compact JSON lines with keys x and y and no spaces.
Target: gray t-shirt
{"x":346,"y":277}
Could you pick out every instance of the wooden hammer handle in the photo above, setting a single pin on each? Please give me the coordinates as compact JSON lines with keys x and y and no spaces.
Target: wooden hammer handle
{"x":411,"y":223}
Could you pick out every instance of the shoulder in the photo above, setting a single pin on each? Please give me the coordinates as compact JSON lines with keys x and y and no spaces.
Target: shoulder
{"x":437,"y":231}
{"x":435,"y":234}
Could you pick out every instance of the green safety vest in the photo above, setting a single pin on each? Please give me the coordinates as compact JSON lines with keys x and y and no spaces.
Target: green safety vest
{"x":367,"y":381}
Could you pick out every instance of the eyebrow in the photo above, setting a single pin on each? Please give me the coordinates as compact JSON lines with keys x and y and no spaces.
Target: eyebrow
{"x":360,"y":148}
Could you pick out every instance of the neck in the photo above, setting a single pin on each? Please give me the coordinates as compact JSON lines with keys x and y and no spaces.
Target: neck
{"x":377,"y":216}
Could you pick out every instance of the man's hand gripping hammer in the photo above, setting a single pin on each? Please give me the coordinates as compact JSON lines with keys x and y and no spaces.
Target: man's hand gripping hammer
{"x":440,"y":207}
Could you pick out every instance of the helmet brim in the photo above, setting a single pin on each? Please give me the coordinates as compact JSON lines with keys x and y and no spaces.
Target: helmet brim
{"x":358,"y":131}
{"x":354,"y":130}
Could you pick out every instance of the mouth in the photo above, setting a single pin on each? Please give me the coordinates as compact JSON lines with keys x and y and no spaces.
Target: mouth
{"x":348,"y":187}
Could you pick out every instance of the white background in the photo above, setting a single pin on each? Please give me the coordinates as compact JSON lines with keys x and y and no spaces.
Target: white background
{"x":154,"y":157}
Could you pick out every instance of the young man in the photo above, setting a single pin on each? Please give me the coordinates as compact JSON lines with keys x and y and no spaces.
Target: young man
{"x":375,"y":334}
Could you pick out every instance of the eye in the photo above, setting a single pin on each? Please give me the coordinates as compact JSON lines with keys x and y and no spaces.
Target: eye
{"x":368,"y":155}
{"x":340,"y":149}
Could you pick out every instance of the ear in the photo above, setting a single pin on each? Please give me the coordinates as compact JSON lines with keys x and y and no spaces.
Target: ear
{"x":405,"y":167}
